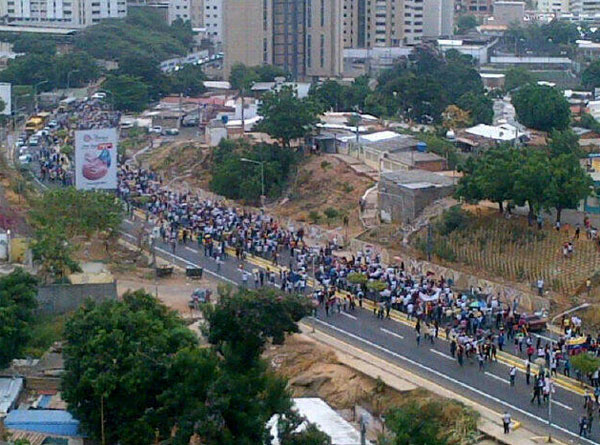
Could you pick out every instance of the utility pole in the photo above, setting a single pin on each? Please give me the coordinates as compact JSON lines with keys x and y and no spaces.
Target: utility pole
{"x":102,"y":419}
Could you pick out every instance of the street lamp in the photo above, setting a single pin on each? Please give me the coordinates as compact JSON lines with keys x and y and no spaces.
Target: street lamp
{"x":69,"y":78}
{"x":262,"y":176}
{"x":35,"y":92}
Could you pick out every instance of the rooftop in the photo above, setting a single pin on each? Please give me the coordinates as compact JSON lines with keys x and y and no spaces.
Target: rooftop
{"x":10,"y":388}
{"x":38,"y":29}
{"x":413,"y":157}
{"x":418,"y":179}
{"x":57,"y":422}
{"x":326,"y":419}
{"x":504,"y":132}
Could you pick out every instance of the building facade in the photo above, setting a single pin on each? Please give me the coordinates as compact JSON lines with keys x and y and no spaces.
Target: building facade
{"x":304,"y":37}
{"x":179,"y":9}
{"x":438,"y":18}
{"x":63,"y":13}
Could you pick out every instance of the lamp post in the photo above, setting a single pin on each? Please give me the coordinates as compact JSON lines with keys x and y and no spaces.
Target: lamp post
{"x":69,"y":78}
{"x":35,"y":92}
{"x":262,"y":176}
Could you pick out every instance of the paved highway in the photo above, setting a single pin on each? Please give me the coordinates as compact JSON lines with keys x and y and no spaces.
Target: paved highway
{"x":395,"y":340}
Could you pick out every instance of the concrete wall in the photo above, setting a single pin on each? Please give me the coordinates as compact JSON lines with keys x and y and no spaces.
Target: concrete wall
{"x":63,"y":298}
{"x":404,"y":204}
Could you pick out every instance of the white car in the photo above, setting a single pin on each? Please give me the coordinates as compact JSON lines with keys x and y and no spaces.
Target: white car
{"x":25,"y":159}
{"x":157,"y":129}
{"x":33,"y":142}
{"x":99,"y":95}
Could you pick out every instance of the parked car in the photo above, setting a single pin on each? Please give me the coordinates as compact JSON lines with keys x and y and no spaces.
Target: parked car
{"x":170,"y":132}
{"x":34,"y":141}
{"x":156,"y":130}
{"x":99,"y":95}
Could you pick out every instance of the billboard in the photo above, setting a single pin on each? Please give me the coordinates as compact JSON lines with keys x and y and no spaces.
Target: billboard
{"x":96,"y":159}
{"x":5,"y":96}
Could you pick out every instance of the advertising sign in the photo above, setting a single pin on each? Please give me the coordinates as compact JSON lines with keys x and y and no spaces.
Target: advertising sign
{"x":96,"y":159}
{"x":5,"y":96}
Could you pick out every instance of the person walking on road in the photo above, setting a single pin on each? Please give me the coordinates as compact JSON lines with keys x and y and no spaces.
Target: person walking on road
{"x":418,"y":331}
{"x":506,"y":422}
{"x":527,"y":372}
{"x":512,"y":374}
{"x":582,"y":426}
{"x":537,"y":391}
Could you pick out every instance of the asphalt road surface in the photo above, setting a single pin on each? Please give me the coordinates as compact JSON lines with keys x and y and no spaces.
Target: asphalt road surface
{"x":396,"y":341}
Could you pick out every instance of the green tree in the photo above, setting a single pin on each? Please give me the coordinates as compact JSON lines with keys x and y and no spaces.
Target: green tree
{"x":590,"y":77}
{"x":517,"y":77}
{"x":531,"y":181}
{"x":236,"y":179}
{"x":188,"y":81}
{"x":564,"y":143}
{"x":17,"y":303}
{"x":589,"y":122}
{"x":286,"y":117}
{"x":413,"y":424}
{"x":54,"y":251}
{"x":480,"y":107}
{"x":76,"y":212}
{"x":569,"y":183}
{"x":466,"y":23}
{"x":241,"y":395}
{"x":117,"y":359}
{"x":129,"y":93}
{"x":585,"y":363}
{"x":541,"y":107}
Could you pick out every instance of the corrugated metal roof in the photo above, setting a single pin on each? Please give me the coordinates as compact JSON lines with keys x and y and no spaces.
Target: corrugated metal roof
{"x":10,"y":388}
{"x":56,"y":422}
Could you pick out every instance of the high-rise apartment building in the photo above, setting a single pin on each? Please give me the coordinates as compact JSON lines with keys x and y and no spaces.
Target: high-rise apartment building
{"x":438,"y":18}
{"x":303,"y":37}
{"x":63,"y":13}
{"x":393,"y":23}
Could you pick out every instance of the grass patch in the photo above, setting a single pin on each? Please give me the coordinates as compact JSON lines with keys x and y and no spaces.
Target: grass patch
{"x":45,"y":331}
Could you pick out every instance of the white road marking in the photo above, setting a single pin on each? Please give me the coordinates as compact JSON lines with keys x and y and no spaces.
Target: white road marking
{"x":348,"y":315}
{"x":183,"y":260}
{"x":189,"y":249}
{"x":552,"y":340}
{"x":456,"y":382}
{"x":391,"y":333}
{"x":562,"y":405}
{"x":497,"y":378}
{"x":449,"y":357}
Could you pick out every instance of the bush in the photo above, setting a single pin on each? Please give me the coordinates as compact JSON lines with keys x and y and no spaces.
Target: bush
{"x":452,"y":219}
{"x":357,"y":278}
{"x":331,"y":213}
{"x":314,"y":216}
{"x":585,"y":363}
{"x":376,"y":286}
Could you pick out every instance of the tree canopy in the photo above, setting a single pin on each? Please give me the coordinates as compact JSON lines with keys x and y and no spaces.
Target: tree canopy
{"x":285,"y":116}
{"x":17,"y":303}
{"x":541,"y":107}
{"x":236,"y":179}
{"x":543,"y":178}
{"x":134,"y":364}
{"x":424,"y":88}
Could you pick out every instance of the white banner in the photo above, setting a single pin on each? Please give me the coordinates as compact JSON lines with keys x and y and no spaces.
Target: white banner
{"x":96,"y":159}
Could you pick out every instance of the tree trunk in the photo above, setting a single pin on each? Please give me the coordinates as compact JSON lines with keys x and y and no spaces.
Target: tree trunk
{"x":501,"y":206}
{"x":558,"y":213}
{"x":530,"y":215}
